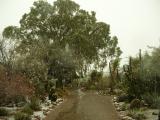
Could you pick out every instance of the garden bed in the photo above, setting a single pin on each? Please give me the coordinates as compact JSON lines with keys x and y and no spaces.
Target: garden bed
{"x":143,"y":113}
{"x":46,"y":107}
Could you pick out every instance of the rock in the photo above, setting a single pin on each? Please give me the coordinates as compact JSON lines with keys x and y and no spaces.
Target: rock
{"x":20,"y":104}
{"x":116,"y":103}
{"x":127,"y":118}
{"x":3,"y":118}
{"x":45,"y":113}
{"x":118,"y":109}
{"x":122,"y":98}
{"x":47,"y":103}
{"x":59,"y":100}
{"x":50,"y":107}
{"x":46,"y":110}
{"x":54,"y":103}
{"x":121,"y":115}
{"x":37,"y":117}
{"x":118,"y":91}
{"x":114,"y":99}
{"x":10,"y":105}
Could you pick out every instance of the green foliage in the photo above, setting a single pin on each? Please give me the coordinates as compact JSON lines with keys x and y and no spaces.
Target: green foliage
{"x":22,"y":116}
{"x":153,"y":100}
{"x":27,"y":109}
{"x":18,"y":99}
{"x":151,"y":61}
{"x":92,"y":87}
{"x":40,"y":89}
{"x":3,"y":112}
{"x":124,"y":107}
{"x":61,"y":92}
{"x":11,"y":32}
{"x":133,"y":78}
{"x":103,"y":83}
{"x":142,"y":80}
{"x":96,"y":76}
{"x":152,"y":71}
{"x":60,"y":41}
{"x":136,"y":114}
{"x":35,"y":104}
{"x":52,"y":95}
{"x":95,"y":80}
{"x":48,"y":31}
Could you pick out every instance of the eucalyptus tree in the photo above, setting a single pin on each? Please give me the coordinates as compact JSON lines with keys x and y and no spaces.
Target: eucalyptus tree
{"x":47,"y":30}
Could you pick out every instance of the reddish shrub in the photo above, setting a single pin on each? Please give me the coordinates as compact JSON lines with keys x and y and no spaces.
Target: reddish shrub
{"x":13,"y":84}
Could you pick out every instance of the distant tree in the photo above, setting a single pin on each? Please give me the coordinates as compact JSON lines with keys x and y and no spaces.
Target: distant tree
{"x":96,"y":76}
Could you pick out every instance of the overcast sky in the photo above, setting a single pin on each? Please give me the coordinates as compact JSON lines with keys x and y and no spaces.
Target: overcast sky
{"x":135,"y":22}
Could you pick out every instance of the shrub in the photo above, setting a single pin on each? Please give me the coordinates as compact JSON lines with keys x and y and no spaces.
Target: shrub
{"x":131,"y":113}
{"x":136,"y":114}
{"x":35,"y":104}
{"x":3,"y":112}
{"x":22,"y":116}
{"x":13,"y":87}
{"x":124,"y":107}
{"x":152,"y":100}
{"x":96,"y":76}
{"x":92,"y":87}
{"x":27,"y":109}
{"x":52,"y":97}
{"x":140,"y":116}
{"x":61,"y":92}
{"x":148,"y":98}
{"x":135,"y":103}
{"x":19,"y":98}
{"x":156,"y":102}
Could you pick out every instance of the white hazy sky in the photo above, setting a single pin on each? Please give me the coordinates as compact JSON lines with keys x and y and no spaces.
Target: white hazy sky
{"x":135,"y":22}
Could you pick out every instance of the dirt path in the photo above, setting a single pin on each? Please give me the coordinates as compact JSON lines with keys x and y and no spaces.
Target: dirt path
{"x":85,"y":106}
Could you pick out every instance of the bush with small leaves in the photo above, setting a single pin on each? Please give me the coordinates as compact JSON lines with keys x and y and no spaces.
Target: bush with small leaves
{"x":156,"y":102}
{"x":27,"y":109}
{"x":61,"y":92}
{"x":152,"y":100}
{"x":136,"y":114}
{"x":53,"y":97}
{"x":35,"y":104}
{"x":22,"y":116}
{"x":124,"y":107}
{"x":3,"y":112}
{"x":92,"y":87}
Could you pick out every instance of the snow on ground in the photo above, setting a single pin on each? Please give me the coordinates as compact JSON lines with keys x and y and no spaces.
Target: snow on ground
{"x":46,"y":108}
{"x":149,"y":114}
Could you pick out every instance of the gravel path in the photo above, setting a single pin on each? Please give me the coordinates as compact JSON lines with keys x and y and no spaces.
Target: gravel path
{"x":84,"y":106}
